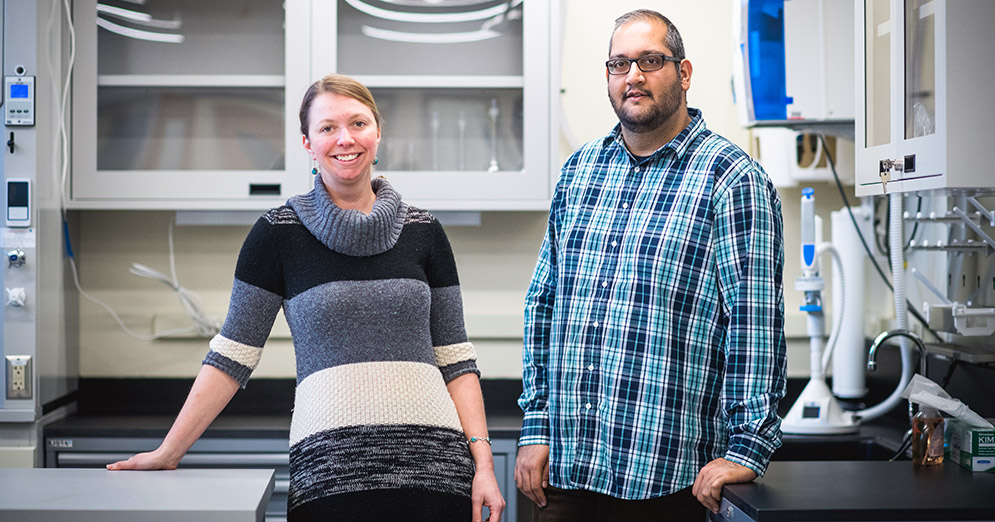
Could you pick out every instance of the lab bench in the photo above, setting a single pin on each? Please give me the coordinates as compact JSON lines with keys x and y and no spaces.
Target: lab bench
{"x":92,"y":495}
{"x":231,"y":442}
{"x":861,"y":491}
{"x":121,"y":417}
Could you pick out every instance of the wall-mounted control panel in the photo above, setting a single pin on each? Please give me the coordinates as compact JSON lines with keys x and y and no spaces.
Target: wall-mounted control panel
{"x":19,"y":100}
{"x":18,"y":203}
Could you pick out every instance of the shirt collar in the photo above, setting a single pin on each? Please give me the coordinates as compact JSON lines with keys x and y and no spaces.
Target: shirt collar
{"x":679,"y":145}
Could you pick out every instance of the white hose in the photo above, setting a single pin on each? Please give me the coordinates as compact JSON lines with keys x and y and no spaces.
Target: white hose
{"x":895,"y":244}
{"x":839,"y":299}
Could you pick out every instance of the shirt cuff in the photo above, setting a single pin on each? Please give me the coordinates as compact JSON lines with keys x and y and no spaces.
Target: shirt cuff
{"x":535,"y":428}
{"x":751,"y":451}
{"x":239,"y":372}
{"x":453,"y":371}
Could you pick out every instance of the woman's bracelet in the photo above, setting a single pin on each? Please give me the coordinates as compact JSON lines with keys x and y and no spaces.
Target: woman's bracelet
{"x":471,"y":440}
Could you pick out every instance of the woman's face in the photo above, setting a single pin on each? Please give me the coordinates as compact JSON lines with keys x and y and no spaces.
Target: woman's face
{"x":342,"y":137}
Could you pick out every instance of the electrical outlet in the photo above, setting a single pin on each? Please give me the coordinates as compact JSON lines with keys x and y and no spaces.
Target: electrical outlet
{"x":18,"y":376}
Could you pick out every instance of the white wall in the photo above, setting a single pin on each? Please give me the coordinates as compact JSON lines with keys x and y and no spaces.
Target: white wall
{"x":495,"y":259}
{"x":706,"y":27}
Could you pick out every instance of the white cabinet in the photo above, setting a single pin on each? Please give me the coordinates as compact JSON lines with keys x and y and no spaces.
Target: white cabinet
{"x":183,"y":104}
{"x":925,"y":108}
{"x":466,"y":90}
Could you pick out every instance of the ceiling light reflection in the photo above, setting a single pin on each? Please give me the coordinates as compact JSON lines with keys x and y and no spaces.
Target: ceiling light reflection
{"x":399,"y":16}
{"x":441,"y":38}
{"x":126,"y":14}
{"x":138,"y":33}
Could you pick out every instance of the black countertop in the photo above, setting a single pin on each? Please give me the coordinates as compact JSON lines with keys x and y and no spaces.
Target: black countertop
{"x":865,"y":491}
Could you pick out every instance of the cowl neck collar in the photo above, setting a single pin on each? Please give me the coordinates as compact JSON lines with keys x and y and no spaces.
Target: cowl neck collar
{"x":348,"y":231}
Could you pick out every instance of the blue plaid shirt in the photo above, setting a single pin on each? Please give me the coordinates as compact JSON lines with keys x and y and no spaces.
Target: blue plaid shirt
{"x":654,"y":339}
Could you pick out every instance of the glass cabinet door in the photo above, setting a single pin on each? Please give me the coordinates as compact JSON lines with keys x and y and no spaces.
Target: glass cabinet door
{"x":194,"y":104}
{"x":877,"y":79}
{"x":181,"y":103}
{"x":190,"y":85}
{"x":443,"y":129}
{"x":430,"y":38}
{"x":920,"y":68}
{"x":465,"y":90}
{"x":190,"y":128}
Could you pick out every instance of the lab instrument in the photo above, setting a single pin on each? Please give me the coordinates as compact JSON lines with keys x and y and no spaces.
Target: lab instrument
{"x":816,"y":411}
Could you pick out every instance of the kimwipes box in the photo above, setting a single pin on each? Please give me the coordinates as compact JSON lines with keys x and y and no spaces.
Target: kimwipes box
{"x":973,"y":448}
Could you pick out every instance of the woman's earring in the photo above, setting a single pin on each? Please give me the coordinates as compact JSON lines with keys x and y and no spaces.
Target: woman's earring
{"x":314,"y":167}
{"x":376,"y":160}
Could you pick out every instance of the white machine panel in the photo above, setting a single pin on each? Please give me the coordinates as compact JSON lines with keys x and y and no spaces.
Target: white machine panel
{"x":19,"y":100}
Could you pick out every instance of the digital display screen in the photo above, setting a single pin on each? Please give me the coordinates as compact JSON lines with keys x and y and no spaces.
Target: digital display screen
{"x":18,"y":90}
{"x":17,"y":193}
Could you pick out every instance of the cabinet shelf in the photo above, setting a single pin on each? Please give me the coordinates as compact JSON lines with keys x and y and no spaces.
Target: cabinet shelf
{"x":191,"y":80}
{"x":442,"y":82}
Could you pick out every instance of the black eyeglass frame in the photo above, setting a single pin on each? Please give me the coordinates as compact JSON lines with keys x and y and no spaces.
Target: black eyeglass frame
{"x":636,"y":61}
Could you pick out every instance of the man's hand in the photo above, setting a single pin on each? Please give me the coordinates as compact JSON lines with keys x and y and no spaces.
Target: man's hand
{"x":717,"y":473}
{"x":532,"y":472}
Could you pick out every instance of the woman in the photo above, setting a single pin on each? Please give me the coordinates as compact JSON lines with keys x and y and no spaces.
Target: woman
{"x":388,"y":416}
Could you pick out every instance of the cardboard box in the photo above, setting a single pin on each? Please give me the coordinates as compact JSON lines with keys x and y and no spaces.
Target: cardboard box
{"x":973,"y":448}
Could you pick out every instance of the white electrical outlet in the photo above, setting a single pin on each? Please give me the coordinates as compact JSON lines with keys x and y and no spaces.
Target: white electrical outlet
{"x":18,"y":376}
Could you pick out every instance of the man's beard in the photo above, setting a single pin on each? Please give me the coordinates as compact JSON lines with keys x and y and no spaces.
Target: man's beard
{"x":655,"y":116}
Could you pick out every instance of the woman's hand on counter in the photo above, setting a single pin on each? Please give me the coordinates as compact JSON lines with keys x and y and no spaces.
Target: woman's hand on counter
{"x":151,"y":460}
{"x":717,"y":473}
{"x":211,"y":391}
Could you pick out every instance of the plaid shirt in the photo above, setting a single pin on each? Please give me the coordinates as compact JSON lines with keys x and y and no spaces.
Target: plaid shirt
{"x":654,"y":339}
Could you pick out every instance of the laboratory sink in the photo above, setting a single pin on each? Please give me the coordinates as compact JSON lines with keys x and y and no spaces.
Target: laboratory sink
{"x":800,"y":447}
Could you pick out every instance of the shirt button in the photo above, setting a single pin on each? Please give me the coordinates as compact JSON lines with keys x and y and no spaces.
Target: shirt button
{"x":590,"y":368}
{"x":588,"y":405}
{"x":637,"y":169}
{"x":595,"y":324}
{"x":625,"y":205}
{"x":604,"y":284}
{"x":614,"y":243}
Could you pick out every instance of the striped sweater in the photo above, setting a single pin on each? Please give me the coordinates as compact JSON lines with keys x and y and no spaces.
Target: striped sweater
{"x":375,"y":312}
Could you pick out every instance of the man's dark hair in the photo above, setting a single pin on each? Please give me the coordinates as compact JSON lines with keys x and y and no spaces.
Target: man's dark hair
{"x":673,"y":41}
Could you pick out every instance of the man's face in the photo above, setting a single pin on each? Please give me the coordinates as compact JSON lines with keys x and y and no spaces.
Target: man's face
{"x":643,"y":101}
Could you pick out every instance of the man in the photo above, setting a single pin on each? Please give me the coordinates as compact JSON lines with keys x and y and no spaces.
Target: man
{"x":654,"y":351}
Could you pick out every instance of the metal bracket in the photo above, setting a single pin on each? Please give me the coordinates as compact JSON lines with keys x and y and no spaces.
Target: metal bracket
{"x":983,"y":211}
{"x":977,"y":229}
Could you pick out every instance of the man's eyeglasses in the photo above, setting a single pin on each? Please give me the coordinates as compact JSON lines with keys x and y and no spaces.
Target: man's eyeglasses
{"x":646,"y":63}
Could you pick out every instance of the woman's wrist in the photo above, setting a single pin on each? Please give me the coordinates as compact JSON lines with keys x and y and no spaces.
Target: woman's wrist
{"x":478,"y":440}
{"x":169,"y":457}
{"x":485,"y":467}
{"x":483,"y":459}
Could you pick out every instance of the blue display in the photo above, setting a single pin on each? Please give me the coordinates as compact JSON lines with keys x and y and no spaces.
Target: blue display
{"x":765,"y":27}
{"x":18,"y":90}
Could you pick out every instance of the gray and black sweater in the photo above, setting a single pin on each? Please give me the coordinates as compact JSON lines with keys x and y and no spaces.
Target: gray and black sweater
{"x":375,"y":312}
